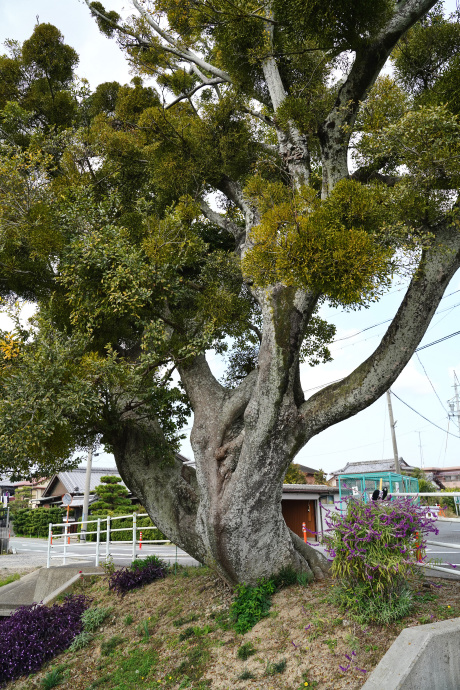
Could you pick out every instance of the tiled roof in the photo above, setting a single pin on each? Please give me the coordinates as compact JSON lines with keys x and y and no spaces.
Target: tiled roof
{"x":76,"y":478}
{"x":371,"y":466}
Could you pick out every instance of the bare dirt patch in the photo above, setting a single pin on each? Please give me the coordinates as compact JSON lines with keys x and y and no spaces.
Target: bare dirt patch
{"x":176,"y":633}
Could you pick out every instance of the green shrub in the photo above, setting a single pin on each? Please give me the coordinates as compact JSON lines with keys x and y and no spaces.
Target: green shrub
{"x":80,"y":641}
{"x":251,"y":604}
{"x":374,"y":547}
{"x":36,"y":522}
{"x":94,"y":617}
{"x":362,"y":605}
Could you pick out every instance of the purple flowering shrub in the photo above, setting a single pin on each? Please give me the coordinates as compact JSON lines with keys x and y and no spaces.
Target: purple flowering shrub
{"x":36,"y":633}
{"x":374,"y":547}
{"x":125,"y":579}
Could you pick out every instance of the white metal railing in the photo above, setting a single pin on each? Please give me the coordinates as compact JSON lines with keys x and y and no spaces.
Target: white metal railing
{"x":63,"y":549}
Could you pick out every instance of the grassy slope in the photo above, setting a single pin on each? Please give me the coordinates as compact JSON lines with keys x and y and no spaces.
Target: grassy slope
{"x":176,"y":634}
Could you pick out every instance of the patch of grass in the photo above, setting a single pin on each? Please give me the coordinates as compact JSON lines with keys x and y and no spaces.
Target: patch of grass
{"x":195,"y":631}
{"x":55,"y":677}
{"x":109,"y":646}
{"x":186,"y":634}
{"x":184,"y":620}
{"x":194,"y":665}
{"x":128,"y":619}
{"x":246,"y":675}
{"x":273,"y":668}
{"x":222,"y":619}
{"x":245,"y":651}
{"x":140,"y":666}
{"x":332,"y":644}
{"x":9,"y":578}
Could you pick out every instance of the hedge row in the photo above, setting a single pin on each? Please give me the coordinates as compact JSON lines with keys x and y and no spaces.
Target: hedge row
{"x":34,"y":523}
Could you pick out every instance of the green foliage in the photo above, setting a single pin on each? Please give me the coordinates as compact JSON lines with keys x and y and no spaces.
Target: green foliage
{"x":252,"y":603}
{"x":109,"y":646}
{"x":320,"y":477}
{"x":245,"y":651}
{"x":94,"y":617}
{"x":80,"y":641}
{"x":273,"y":668}
{"x":52,"y":679}
{"x":247,"y":675}
{"x":294,"y":475}
{"x":34,"y":522}
{"x":126,"y":527}
{"x":361,"y":604}
{"x":332,"y":246}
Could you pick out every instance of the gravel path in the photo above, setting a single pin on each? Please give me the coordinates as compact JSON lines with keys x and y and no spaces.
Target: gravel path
{"x":21,"y":563}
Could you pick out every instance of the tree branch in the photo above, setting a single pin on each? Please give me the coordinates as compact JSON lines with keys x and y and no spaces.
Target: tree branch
{"x":175,"y":47}
{"x":373,"y":377}
{"x":336,"y":130}
{"x":222,"y":221}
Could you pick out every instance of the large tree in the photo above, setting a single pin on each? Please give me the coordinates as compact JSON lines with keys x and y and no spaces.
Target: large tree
{"x":255,"y":109}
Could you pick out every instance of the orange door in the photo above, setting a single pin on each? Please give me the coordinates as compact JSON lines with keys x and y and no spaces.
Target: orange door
{"x":296,"y":512}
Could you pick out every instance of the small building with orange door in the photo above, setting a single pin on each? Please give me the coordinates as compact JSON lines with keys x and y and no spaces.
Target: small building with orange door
{"x":308,"y":503}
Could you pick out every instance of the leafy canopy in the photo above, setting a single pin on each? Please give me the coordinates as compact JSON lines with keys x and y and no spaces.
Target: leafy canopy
{"x":105,"y":204}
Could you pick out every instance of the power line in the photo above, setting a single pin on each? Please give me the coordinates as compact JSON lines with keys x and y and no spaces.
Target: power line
{"x":435,"y":342}
{"x":347,"y":337}
{"x":423,"y":416}
{"x":431,"y":383}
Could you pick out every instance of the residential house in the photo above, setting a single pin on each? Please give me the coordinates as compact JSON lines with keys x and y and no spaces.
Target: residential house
{"x":366,"y":466}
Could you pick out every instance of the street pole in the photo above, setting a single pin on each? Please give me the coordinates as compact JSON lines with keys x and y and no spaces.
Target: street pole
{"x":393,"y":433}
{"x":84,"y":517}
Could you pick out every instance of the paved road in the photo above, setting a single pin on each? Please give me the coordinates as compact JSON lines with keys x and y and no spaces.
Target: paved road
{"x":449,"y":533}
{"x":33,"y":551}
{"x":36,"y":550}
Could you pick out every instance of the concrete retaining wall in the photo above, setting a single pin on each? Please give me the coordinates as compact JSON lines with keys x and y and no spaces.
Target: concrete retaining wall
{"x":426,"y":657}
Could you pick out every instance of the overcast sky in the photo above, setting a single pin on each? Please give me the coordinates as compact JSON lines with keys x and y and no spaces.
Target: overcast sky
{"x":367,"y":435}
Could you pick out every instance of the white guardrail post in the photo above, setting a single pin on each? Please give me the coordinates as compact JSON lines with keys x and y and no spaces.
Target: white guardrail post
{"x":134,"y":534}
{"x":107,"y":538}
{"x":65,"y":543}
{"x":50,"y":537}
{"x":98,"y":541}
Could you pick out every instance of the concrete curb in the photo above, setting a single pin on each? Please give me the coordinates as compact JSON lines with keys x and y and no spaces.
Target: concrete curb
{"x":66,"y":587}
{"x":425,"y":657}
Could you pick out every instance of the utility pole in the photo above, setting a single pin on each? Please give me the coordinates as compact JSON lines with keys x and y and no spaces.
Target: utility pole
{"x":420,"y":448}
{"x":84,"y":517}
{"x":393,"y":434}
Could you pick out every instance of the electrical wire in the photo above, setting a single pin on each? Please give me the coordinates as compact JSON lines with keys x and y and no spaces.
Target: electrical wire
{"x":347,"y":337}
{"x":431,"y":384}
{"x":423,"y":416}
